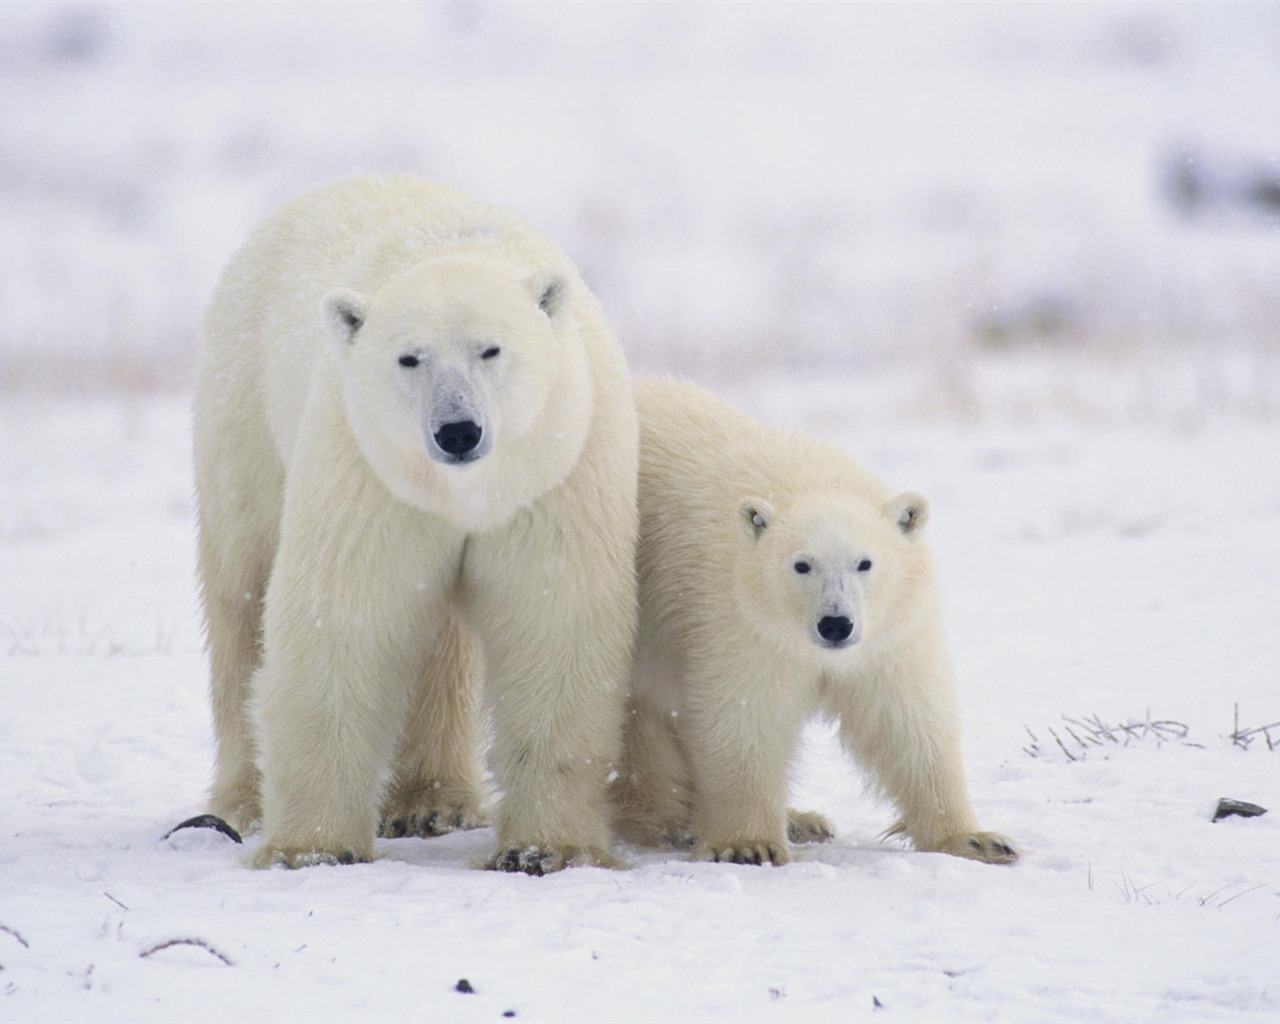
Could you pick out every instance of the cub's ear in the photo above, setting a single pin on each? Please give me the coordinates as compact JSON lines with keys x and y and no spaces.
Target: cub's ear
{"x":909,"y":511}
{"x":550,"y":290}
{"x":345,"y":312}
{"x":754,"y":517}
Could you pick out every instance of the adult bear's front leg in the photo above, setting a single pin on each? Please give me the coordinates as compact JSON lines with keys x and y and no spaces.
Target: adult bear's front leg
{"x":556,"y":612}
{"x":358,"y":584}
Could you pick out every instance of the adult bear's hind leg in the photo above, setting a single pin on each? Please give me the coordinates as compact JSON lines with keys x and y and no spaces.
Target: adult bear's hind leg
{"x":438,"y":775}
{"x":239,"y":485}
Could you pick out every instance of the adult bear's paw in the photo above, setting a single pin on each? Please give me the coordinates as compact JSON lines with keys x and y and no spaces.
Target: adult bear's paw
{"x":432,"y":812}
{"x":808,"y":827}
{"x":271,"y":856}
{"x":543,"y":860}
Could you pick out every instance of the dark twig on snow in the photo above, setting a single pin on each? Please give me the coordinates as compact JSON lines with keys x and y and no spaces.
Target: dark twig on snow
{"x":198,"y":943}
{"x":1243,"y":737}
{"x":1091,"y":732}
{"x":16,"y":934}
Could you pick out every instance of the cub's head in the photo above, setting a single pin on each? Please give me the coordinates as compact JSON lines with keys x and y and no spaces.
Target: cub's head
{"x":454,"y":358}
{"x":827,"y":571}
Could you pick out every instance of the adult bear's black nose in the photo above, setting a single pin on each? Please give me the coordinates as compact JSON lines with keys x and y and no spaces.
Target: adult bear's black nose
{"x":834,"y":629}
{"x":458,"y":438}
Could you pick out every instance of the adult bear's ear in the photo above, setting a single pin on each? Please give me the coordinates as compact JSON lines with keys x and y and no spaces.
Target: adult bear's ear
{"x":909,"y":511}
{"x":550,"y":290}
{"x":345,"y":312}
{"x":754,"y":516}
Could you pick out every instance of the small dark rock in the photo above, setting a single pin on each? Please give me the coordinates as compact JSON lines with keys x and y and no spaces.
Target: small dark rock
{"x":206,"y":821}
{"x":463,"y":986}
{"x":1227,"y":807}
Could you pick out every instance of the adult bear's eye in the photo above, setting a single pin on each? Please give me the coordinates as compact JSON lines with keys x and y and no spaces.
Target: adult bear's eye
{"x":803,"y":567}
{"x":864,"y":565}
{"x":409,"y":360}
{"x":490,"y":352}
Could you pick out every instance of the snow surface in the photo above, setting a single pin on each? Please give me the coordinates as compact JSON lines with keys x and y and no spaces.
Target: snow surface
{"x":936,"y":235}
{"x":1122,"y":571}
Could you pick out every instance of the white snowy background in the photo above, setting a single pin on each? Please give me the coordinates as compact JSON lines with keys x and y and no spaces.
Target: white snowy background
{"x":1023,"y":258}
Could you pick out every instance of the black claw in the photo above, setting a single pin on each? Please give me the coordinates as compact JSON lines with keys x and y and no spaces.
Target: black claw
{"x":346,"y":857}
{"x":538,"y":862}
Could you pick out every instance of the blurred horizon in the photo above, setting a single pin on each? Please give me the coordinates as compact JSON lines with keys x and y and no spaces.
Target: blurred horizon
{"x":776,"y":189}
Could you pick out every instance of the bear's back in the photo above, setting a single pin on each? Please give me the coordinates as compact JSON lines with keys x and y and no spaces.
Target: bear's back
{"x":700,"y":456}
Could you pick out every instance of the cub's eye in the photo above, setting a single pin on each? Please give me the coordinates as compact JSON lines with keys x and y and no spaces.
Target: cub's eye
{"x":864,"y":565}
{"x":802,"y":567}
{"x":490,"y":352}
{"x":409,"y":360}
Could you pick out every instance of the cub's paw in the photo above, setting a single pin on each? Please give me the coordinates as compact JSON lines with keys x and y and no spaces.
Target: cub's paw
{"x":432,"y":812}
{"x":808,"y":827}
{"x":988,"y":847}
{"x":543,"y":860}
{"x":744,"y":851}
{"x":270,"y":856}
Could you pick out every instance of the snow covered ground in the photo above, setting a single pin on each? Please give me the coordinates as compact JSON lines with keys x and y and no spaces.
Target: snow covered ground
{"x":941,"y":237}
{"x":1119,"y":571}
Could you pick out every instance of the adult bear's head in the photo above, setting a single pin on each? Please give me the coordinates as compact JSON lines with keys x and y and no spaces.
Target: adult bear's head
{"x":470,"y":364}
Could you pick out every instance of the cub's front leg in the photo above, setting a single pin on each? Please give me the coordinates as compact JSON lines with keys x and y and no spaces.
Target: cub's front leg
{"x":739,"y":728}
{"x":904,"y":726}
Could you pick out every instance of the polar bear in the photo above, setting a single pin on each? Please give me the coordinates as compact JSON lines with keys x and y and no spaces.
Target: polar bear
{"x":415,"y":455}
{"x":778,"y":580}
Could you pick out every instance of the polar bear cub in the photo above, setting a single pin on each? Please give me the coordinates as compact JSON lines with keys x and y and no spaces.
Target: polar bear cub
{"x":415,"y":451}
{"x":778,"y":580}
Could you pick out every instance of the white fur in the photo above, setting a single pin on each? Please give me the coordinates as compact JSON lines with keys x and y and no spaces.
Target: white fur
{"x":737,"y":649}
{"x":354,"y":326}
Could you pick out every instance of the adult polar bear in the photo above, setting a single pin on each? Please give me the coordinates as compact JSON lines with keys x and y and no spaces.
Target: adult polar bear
{"x":779,"y":579}
{"x":413,"y":428}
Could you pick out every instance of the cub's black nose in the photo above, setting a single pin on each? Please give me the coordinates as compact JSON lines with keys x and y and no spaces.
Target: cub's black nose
{"x":458,"y":438}
{"x":834,"y":629}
